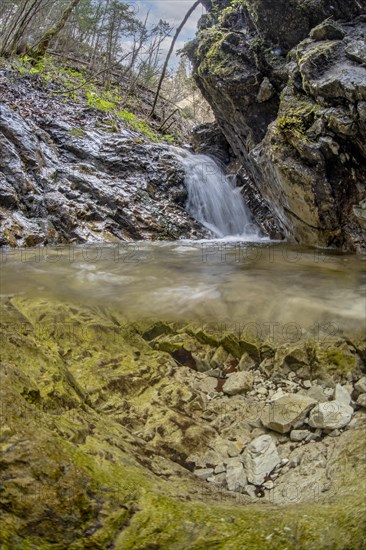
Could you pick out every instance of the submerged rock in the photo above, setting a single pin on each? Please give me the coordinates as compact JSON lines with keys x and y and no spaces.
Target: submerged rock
{"x":361,"y":400}
{"x":341,"y":395}
{"x":260,"y":458}
{"x":330,"y":416}
{"x":299,"y":435}
{"x":360,"y":385}
{"x":238,"y":382}
{"x":236,"y":478}
{"x":102,"y":435}
{"x":287,"y":412}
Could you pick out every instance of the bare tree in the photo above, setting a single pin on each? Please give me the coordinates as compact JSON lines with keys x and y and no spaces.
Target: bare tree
{"x":22,"y":18}
{"x":42,"y":45}
{"x":177,"y":33}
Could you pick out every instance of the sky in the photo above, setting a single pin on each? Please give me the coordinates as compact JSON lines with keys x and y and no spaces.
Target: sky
{"x":172,"y":11}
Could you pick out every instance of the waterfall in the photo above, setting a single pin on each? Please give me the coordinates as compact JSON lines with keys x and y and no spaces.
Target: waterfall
{"x":213,"y":199}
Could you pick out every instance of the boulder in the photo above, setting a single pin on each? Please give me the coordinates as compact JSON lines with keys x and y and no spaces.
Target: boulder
{"x":246,"y":362}
{"x":238,"y":382}
{"x":341,"y":395}
{"x":328,"y":30}
{"x":330,"y":416}
{"x":266,"y":91}
{"x":287,"y":412}
{"x":357,"y":51}
{"x":317,"y":393}
{"x":361,"y":401}
{"x":204,"y":473}
{"x":299,"y":435}
{"x":219,"y":358}
{"x":208,"y":384}
{"x":260,"y":458}
{"x":236,"y":478}
{"x":360,"y":386}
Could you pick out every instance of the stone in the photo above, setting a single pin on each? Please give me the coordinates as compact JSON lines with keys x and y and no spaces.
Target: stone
{"x":356,"y":50}
{"x":277,"y":394}
{"x":233,"y":450}
{"x":236,"y":478}
{"x":220,"y":468}
{"x":307,"y":384}
{"x":341,"y":122}
{"x":266,"y":91}
{"x":286,"y":412}
{"x":361,"y":400}
{"x":260,"y":458}
{"x":219,"y":479}
{"x":238,"y":382}
{"x":215,"y":373}
{"x":360,"y":385}
{"x":250,"y":491}
{"x":334,"y":433}
{"x":341,"y":395}
{"x":331,"y":415}
{"x":208,"y":384}
{"x":204,"y":473}
{"x":317,"y":393}
{"x":299,"y":435}
{"x":328,"y":30}
{"x":246,"y":362}
{"x":219,"y":358}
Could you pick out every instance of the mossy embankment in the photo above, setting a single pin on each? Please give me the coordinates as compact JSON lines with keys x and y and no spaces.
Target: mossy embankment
{"x":116,"y":107}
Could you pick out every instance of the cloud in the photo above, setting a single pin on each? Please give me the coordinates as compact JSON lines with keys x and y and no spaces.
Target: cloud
{"x":172,"y":11}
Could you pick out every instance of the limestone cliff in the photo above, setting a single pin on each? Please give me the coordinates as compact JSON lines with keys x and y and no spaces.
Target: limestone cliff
{"x":287,"y":83}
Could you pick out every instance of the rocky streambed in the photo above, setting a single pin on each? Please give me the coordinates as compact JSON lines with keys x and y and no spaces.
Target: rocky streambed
{"x":169,"y":430}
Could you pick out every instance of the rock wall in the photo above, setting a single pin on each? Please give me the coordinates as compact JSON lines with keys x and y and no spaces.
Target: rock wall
{"x":67,"y":176}
{"x":287,"y":83}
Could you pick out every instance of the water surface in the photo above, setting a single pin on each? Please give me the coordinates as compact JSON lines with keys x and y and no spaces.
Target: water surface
{"x":268,"y":287}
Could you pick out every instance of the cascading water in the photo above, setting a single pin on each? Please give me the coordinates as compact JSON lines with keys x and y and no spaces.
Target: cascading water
{"x":213,"y":199}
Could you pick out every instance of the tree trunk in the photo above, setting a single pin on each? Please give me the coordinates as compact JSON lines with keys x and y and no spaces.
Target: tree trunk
{"x":21,"y":21}
{"x":40,"y":49}
{"x":177,"y":33}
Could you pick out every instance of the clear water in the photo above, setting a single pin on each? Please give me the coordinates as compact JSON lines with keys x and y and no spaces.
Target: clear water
{"x":263,"y":288}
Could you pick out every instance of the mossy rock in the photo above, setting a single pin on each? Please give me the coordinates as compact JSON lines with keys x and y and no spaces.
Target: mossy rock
{"x":84,"y":473}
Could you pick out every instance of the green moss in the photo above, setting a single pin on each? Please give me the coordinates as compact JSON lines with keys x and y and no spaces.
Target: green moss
{"x":315,"y":53}
{"x":77,"y":472}
{"x":213,"y":59}
{"x":296,"y":115}
{"x":76,"y":132}
{"x":79,"y":88}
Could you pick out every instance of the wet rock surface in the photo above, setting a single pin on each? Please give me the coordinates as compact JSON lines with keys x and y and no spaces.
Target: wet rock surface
{"x":65,"y":176}
{"x":287,"y":85}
